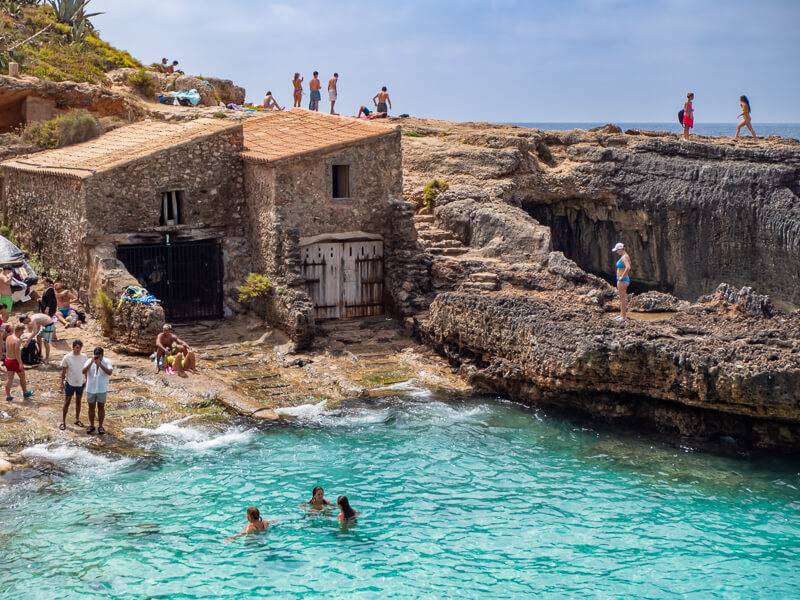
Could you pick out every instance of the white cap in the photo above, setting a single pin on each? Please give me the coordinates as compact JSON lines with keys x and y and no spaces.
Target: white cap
{"x":618,"y":246}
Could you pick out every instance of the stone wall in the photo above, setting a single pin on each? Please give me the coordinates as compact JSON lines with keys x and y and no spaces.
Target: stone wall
{"x":47,"y":215}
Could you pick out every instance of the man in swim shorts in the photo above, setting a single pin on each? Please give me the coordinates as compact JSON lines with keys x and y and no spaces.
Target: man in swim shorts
{"x":5,"y":287}
{"x":42,"y":328}
{"x":332,"y":91}
{"x":64,"y":298}
{"x":315,"y":86}
{"x":164,"y":342}
{"x":13,"y":363}
{"x":381,"y":99}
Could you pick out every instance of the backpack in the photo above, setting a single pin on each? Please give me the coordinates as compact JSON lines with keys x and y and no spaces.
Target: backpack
{"x":680,"y":116}
{"x":30,"y":354}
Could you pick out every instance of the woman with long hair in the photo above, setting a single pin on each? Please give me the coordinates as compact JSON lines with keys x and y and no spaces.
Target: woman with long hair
{"x":317,"y":501}
{"x":297,"y":84}
{"x":347,"y":514}
{"x":623,"y":280}
{"x":745,"y":114}
{"x":688,"y":115}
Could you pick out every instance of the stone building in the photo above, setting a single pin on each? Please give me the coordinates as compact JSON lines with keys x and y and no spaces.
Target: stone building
{"x":313,"y":201}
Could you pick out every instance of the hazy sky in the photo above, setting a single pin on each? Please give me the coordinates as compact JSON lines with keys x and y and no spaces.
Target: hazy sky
{"x":491,"y":60}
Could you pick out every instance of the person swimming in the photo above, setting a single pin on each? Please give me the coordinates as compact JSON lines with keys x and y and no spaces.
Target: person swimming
{"x":254,"y":523}
{"x":317,"y":501}
{"x":347,"y":514}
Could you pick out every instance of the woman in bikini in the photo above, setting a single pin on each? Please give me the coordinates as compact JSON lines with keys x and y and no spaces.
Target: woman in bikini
{"x":623,"y":280}
{"x":317,"y":501}
{"x":297,"y":83}
{"x":254,"y":523}
{"x":688,"y":115}
{"x":745,"y":114}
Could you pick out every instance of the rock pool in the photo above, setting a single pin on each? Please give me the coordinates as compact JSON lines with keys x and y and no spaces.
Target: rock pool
{"x":464,"y":498}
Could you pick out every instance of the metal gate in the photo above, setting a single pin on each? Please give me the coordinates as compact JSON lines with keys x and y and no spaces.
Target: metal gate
{"x":344,"y":279}
{"x":186,"y":277}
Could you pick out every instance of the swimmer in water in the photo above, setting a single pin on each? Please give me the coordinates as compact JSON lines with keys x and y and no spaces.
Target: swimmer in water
{"x":317,"y":501}
{"x":254,"y":523}
{"x":347,"y":514}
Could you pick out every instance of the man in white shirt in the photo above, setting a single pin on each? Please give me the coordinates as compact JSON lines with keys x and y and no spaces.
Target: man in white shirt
{"x":72,"y":370}
{"x":98,"y":371}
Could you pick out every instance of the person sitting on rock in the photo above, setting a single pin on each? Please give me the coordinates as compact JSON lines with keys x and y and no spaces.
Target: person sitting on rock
{"x":164,"y":342}
{"x":180,"y":360}
{"x":165,"y":67}
{"x":270,"y":102}
{"x":175,"y":68}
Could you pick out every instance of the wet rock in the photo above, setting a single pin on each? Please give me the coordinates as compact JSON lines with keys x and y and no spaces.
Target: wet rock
{"x":5,"y":466}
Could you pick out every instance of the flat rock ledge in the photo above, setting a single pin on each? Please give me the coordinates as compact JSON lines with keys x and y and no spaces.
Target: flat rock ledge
{"x":712,"y":373}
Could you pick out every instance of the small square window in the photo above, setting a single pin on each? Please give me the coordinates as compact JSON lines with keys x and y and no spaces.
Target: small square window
{"x":341,"y":181}
{"x":171,"y":208}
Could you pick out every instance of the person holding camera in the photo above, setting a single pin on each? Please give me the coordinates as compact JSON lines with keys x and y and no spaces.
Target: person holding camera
{"x":98,"y":371}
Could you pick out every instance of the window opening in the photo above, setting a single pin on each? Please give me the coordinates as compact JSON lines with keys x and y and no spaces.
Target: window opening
{"x":171,"y":208}
{"x":341,"y":181}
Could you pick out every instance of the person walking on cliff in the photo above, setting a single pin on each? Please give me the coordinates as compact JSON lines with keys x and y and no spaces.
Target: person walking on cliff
{"x":315,"y":86}
{"x":688,"y":115}
{"x":332,"y":91}
{"x":623,"y":279}
{"x":98,"y":371}
{"x":297,"y":84}
{"x":745,"y":114}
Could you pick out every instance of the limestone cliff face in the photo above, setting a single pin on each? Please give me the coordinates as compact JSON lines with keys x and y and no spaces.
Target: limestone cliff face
{"x":692,"y":214}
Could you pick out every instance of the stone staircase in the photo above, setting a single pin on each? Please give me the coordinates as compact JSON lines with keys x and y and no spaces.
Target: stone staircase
{"x":483,"y":281}
{"x":438,"y":242}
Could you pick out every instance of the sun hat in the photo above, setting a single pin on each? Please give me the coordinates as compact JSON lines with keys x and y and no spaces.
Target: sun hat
{"x":618,"y":246}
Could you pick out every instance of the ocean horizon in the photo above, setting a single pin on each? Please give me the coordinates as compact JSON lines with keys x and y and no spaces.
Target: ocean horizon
{"x":791,"y":130}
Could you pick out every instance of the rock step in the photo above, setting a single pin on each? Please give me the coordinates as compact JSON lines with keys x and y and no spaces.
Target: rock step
{"x":448,"y":243}
{"x":487,"y":277}
{"x":479,"y":285}
{"x":423,"y":218}
{"x":452,"y":251}
{"x":434,"y":235}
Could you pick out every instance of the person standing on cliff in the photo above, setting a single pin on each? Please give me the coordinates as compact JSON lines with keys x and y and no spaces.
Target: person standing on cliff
{"x":72,"y":382}
{"x":98,"y":371}
{"x":623,"y":279}
{"x":745,"y":114}
{"x":332,"y":91}
{"x":380,"y":100}
{"x":297,"y":84}
{"x":315,"y":86}
{"x":688,"y":115}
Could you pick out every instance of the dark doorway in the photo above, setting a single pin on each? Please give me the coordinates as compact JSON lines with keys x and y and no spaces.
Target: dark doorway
{"x":186,"y":277}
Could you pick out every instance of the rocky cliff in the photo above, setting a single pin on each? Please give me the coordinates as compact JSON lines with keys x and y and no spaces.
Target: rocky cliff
{"x":523,"y":319}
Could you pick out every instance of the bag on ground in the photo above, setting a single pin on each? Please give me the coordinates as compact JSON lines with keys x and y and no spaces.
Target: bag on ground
{"x":30,"y":354}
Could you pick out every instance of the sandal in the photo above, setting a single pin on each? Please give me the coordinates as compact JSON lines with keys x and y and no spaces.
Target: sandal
{"x":28,"y":394}
{"x":79,"y":424}
{"x":101,"y":431}
{"x":62,"y":427}
{"x":90,"y":430}
{"x":9,"y":398}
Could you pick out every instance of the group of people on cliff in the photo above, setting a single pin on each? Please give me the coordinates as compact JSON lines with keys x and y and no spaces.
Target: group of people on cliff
{"x":686,"y":117}
{"x":381,"y":100}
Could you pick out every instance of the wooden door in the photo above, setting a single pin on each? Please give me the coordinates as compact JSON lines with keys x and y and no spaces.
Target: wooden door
{"x":322,"y":270}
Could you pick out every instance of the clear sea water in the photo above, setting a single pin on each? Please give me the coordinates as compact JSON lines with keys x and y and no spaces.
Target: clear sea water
{"x":791,"y":130}
{"x":464,"y":498}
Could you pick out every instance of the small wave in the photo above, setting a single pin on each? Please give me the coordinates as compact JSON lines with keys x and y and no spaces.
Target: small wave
{"x":304,"y":411}
{"x":172,"y":435}
{"x":72,"y":457}
{"x":410,"y":387}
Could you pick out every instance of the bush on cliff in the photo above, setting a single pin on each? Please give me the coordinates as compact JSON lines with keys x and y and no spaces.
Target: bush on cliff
{"x":142,"y":81}
{"x":105,"y":312}
{"x":73,"y":127}
{"x":255,"y":286}
{"x":432,"y":190}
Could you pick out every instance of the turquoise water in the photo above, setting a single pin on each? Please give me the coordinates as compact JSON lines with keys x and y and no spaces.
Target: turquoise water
{"x":474,"y":498}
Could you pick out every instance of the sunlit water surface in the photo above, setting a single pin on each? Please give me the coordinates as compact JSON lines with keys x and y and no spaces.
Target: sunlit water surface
{"x":472,"y":498}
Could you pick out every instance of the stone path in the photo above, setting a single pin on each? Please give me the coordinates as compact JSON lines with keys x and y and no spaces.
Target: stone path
{"x":438,"y":242}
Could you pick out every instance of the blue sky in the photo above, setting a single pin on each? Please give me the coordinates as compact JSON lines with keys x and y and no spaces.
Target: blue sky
{"x":491,"y":60}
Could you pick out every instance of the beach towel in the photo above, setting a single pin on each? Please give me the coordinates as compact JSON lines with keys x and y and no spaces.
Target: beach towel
{"x":138,"y":294}
{"x":186,"y":98}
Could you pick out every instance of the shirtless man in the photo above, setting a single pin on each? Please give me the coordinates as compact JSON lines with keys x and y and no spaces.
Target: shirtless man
{"x":315,"y":86}
{"x":41,"y":327}
{"x":164,"y":341}
{"x":332,"y":91}
{"x":380,"y":100}
{"x":63,"y":299}
{"x":13,"y":363}
{"x":5,"y":287}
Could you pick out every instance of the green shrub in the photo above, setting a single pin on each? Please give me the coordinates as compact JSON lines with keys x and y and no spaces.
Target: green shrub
{"x":142,"y":81}
{"x":432,"y":190}
{"x":74,"y":127}
{"x":414,"y":134}
{"x":220,"y":115}
{"x":105,"y":311}
{"x":543,"y":151}
{"x":255,"y":286}
{"x":35,"y":261}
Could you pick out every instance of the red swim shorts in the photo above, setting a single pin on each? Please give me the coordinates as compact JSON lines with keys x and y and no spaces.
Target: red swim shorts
{"x":13,"y":365}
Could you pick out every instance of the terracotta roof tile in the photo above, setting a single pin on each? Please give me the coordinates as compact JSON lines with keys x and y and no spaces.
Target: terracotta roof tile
{"x":117,"y":147}
{"x":299,"y":131}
